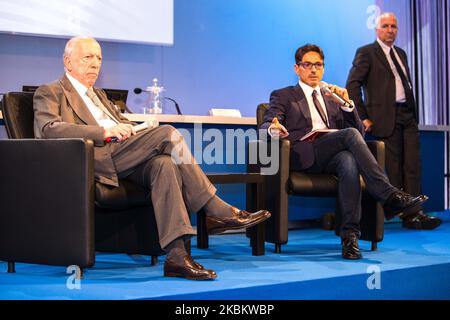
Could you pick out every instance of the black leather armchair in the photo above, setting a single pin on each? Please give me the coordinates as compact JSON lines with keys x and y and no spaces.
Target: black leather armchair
{"x":286,"y":182}
{"x":51,"y":209}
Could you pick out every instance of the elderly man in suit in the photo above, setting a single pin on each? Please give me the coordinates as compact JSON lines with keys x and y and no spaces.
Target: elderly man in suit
{"x":157,"y":158}
{"x":389,"y":110}
{"x":297,"y":110}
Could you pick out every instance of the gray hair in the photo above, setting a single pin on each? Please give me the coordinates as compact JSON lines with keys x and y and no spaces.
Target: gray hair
{"x":383,"y":15}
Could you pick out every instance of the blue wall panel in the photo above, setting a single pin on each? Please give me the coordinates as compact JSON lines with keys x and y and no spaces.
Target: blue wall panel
{"x":228,"y":54}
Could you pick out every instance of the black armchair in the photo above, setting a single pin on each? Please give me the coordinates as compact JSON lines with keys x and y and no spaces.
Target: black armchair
{"x":286,"y":182}
{"x":52,"y":210}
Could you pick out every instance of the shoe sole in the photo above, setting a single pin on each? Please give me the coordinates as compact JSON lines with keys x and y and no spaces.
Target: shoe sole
{"x":176,"y":275}
{"x":249,"y":225}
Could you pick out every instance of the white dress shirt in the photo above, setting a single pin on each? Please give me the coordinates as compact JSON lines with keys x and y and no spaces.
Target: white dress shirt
{"x":399,"y":90}
{"x":317,"y":122}
{"x":102,"y":118}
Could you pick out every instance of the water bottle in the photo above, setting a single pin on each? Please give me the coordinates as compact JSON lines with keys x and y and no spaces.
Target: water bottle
{"x":156,"y":98}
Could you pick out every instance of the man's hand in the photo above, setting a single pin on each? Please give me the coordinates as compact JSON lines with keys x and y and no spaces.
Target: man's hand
{"x":342,"y":92}
{"x":276,"y":129}
{"x":122,"y":131}
{"x":367,"y":125}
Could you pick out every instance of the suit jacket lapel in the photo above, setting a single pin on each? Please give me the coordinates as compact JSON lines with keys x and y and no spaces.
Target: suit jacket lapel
{"x":106,"y":104}
{"x":76,"y":102}
{"x":302,"y":102}
{"x":382,"y":57}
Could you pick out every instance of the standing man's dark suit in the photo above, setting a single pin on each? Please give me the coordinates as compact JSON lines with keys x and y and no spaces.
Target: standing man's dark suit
{"x":372,"y":73}
{"x":389,"y":110}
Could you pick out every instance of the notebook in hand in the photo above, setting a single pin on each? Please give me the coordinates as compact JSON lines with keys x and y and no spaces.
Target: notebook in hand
{"x":310,"y":136}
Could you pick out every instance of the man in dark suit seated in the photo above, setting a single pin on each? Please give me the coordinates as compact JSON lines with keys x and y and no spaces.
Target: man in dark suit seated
{"x":297,"y":110}
{"x":389,"y":111}
{"x":157,"y":158}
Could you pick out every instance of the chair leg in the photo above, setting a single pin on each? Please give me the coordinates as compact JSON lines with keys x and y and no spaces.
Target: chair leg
{"x":11,"y":267}
{"x":202,"y":233}
{"x":154,"y":261}
{"x":374,"y":246}
{"x":277,"y":248}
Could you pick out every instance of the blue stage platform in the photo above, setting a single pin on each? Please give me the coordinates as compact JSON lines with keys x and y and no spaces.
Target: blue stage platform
{"x":411,"y":265}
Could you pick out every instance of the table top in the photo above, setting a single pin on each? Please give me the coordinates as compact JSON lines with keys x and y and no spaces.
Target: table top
{"x":173,"y":118}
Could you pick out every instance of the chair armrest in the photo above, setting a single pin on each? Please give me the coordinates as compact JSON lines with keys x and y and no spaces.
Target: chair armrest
{"x":260,"y":156}
{"x":47,"y":201}
{"x":378,"y":150}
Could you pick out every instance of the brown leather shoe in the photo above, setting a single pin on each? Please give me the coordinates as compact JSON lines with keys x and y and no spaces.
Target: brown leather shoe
{"x":189,"y":269}
{"x":350,"y":248}
{"x":239,"y":219}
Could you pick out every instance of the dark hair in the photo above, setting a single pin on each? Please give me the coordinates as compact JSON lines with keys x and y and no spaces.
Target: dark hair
{"x":305,"y":49}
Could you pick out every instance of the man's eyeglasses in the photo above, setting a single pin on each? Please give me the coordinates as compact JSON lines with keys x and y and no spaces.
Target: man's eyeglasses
{"x":309,"y":65}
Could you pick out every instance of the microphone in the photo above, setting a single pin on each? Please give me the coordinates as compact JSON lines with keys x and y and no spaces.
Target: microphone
{"x":139,"y":91}
{"x":147,"y":124}
{"x":176,"y":105}
{"x":338,"y":98}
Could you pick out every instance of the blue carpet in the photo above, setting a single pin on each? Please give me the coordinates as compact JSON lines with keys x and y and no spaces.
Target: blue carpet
{"x":411,"y":264}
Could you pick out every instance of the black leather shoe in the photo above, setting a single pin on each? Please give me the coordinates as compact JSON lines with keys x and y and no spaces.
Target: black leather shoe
{"x":350,"y":248}
{"x":239,"y":219}
{"x":189,"y":269}
{"x":421,"y":221}
{"x":401,"y":204}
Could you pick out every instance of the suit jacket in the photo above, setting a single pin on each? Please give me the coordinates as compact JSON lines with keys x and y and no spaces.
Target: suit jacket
{"x":372,"y":74}
{"x":291,"y":108}
{"x":59,"y":112}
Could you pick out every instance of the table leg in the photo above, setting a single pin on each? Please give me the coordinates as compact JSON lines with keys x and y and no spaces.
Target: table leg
{"x":255,"y":201}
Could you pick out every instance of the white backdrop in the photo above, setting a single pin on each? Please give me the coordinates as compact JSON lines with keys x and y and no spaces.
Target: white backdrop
{"x":136,"y":21}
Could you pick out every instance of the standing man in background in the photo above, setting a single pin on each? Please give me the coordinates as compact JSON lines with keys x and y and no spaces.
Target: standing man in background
{"x":389,"y":111}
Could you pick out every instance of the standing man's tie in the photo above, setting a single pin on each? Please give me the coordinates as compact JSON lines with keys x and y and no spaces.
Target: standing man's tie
{"x":319,"y":109}
{"x":406,"y":84}
{"x":91,"y":94}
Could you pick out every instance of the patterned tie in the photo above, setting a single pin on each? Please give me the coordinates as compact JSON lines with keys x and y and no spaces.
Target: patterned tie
{"x":319,"y":108}
{"x":91,"y":94}
{"x":408,"y":91}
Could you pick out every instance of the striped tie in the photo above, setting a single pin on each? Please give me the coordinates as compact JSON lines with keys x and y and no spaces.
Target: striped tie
{"x":91,"y":94}
{"x":319,"y":109}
